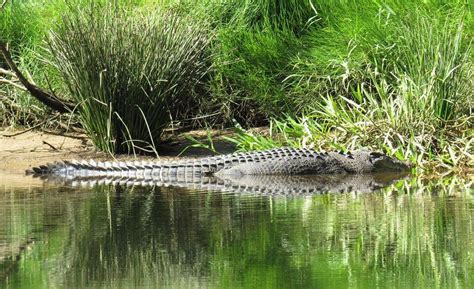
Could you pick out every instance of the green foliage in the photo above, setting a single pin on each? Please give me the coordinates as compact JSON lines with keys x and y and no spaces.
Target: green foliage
{"x":128,"y":70}
{"x":403,"y":85}
{"x":394,"y":76}
{"x":23,"y":25}
{"x":356,"y":41}
{"x":255,"y":40}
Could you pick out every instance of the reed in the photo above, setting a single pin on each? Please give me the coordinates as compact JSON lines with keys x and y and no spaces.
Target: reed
{"x":128,"y":70}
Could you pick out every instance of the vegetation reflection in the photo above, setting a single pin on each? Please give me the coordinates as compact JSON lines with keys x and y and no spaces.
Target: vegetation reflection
{"x":414,"y":232}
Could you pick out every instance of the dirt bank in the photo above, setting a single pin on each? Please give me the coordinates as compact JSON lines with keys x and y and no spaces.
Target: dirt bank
{"x":21,"y":151}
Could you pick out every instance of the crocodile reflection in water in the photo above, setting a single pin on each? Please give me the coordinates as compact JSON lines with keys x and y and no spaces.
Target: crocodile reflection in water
{"x":278,"y":171}
{"x":265,"y":185}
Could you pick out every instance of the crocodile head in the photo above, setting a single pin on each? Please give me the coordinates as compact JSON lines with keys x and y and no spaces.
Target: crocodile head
{"x":382,"y":163}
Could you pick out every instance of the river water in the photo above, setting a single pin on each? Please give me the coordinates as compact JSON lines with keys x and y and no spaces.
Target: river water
{"x":412,"y":234}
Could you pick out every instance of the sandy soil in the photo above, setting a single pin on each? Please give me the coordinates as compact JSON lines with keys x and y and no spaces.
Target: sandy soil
{"x":25,"y":150}
{"x":22,"y":151}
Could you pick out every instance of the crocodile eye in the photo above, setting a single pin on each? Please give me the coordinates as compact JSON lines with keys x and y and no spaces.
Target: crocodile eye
{"x":374,"y":157}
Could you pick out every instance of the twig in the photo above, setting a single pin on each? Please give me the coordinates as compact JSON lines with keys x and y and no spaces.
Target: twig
{"x":200,"y":117}
{"x":80,"y":137}
{"x":50,"y":87}
{"x":7,"y":72}
{"x":7,"y":81}
{"x":27,"y":130}
{"x":3,"y":4}
{"x":50,"y":145}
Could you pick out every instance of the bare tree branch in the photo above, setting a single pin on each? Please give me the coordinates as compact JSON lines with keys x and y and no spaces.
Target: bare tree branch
{"x":45,"y":97}
{"x":3,"y":4}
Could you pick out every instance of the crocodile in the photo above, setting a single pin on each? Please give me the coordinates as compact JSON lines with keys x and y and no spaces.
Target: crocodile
{"x":237,"y":168}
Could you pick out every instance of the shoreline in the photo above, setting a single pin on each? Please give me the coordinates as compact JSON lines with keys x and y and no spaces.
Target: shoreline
{"x":26,"y":149}
{"x":34,"y":148}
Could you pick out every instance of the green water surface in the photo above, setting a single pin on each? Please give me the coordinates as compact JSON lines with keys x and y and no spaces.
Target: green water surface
{"x":414,"y":234}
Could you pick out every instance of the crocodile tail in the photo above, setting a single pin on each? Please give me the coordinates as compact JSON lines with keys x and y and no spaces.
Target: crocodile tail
{"x":67,"y":167}
{"x":57,"y":167}
{"x":85,"y":168}
{"x":47,"y":169}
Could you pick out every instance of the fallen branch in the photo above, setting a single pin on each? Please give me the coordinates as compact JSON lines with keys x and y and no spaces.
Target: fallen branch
{"x":45,"y":97}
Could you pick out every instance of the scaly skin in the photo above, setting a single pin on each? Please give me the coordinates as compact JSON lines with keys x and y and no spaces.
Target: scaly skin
{"x":282,"y":161}
{"x":283,"y":171}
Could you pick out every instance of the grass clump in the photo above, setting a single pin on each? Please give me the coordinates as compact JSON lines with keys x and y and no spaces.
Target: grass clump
{"x":409,"y":95}
{"x":129,"y":70}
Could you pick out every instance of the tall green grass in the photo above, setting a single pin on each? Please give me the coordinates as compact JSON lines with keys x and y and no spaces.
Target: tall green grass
{"x":24,"y":25}
{"x":354,"y":40}
{"x":255,"y":40}
{"x":403,"y":86}
{"x":129,"y":70}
